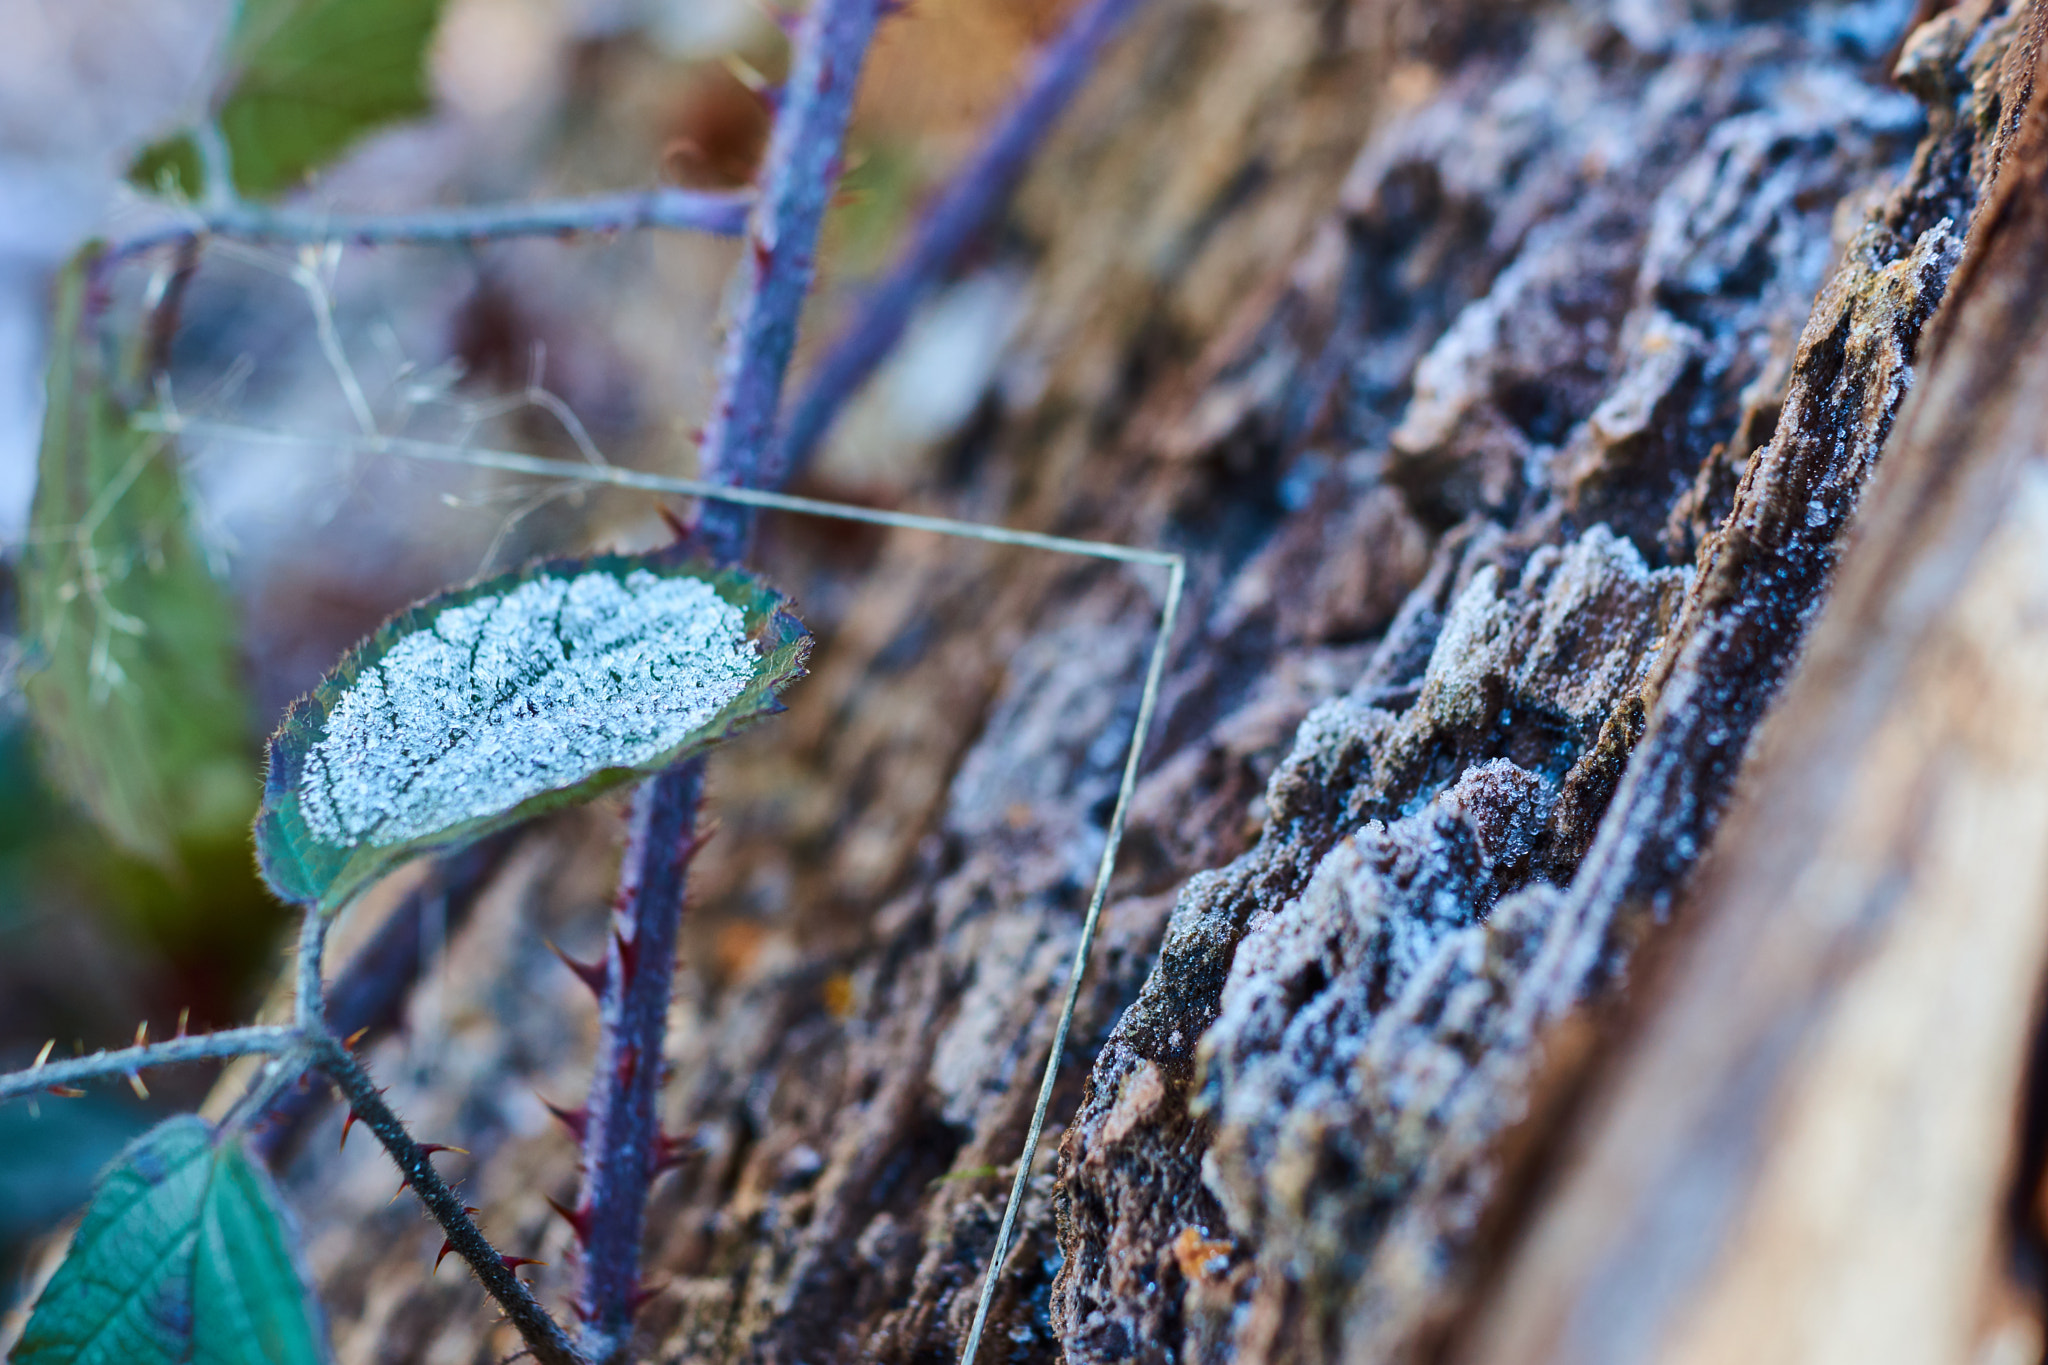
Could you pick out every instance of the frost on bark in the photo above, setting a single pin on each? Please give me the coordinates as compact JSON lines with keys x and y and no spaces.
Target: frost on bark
{"x":1511,"y":374}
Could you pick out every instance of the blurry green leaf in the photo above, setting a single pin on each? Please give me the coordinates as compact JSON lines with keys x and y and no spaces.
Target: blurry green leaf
{"x":305,"y":79}
{"x":530,"y":691}
{"x":171,"y":167}
{"x":182,"y":1259}
{"x":132,"y":679}
{"x":312,"y":76}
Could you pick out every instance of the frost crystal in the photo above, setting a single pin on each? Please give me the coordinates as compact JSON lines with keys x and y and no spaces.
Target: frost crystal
{"x":507,"y":697}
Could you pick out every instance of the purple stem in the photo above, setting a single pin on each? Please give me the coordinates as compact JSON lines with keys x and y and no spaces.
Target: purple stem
{"x":949,"y":225}
{"x":804,"y":158}
{"x":623,"y":1147}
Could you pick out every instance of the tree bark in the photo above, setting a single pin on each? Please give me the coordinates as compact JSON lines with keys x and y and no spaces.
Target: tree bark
{"x":1512,"y":375}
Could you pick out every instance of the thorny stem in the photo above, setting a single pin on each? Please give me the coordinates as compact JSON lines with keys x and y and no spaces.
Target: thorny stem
{"x":721,"y":214}
{"x":623,"y":1144}
{"x":802,"y":170}
{"x":543,"y":1335}
{"x":621,"y":1140}
{"x":131,"y":1061}
{"x":949,"y":225}
{"x":549,"y":1343}
{"x":308,"y":1041}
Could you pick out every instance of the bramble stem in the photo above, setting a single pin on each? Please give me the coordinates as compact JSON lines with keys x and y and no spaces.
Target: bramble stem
{"x":129,"y":1061}
{"x":543,"y":1335}
{"x":949,"y":225}
{"x":621,"y":1140}
{"x":721,"y":214}
{"x":623,"y":1146}
{"x":802,"y":171}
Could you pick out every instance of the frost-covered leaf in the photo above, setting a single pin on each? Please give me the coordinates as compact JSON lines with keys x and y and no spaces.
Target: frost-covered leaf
{"x":132,"y":681}
{"x":182,"y":1259}
{"x":305,"y":78}
{"x":489,"y":704}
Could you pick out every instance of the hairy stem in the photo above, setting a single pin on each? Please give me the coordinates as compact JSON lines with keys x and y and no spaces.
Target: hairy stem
{"x":543,"y":1335}
{"x":722,"y":214}
{"x":309,"y":999}
{"x":623,"y":1144}
{"x":131,"y":1061}
{"x":949,"y":225}
{"x":802,"y":170}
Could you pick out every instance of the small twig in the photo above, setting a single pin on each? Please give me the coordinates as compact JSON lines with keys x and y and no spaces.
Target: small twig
{"x":949,"y":225}
{"x":549,"y":1343}
{"x":129,"y":1061}
{"x":721,"y":214}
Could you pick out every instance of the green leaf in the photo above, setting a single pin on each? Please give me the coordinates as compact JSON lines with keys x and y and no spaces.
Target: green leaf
{"x":170,"y":166}
{"x":133,"y":680}
{"x":305,"y":79}
{"x":182,"y":1259}
{"x":312,"y":76}
{"x":487,"y":705}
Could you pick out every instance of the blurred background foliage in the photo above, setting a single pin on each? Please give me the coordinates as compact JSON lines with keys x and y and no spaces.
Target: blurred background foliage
{"x":272,"y":563}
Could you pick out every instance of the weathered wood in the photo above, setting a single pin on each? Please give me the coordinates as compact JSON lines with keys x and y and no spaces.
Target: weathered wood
{"x":1511,"y":374}
{"x":1812,"y":1153}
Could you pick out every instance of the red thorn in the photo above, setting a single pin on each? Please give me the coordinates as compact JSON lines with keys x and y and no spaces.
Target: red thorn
{"x":514,"y":1262}
{"x":591,"y":974}
{"x":763,"y":254}
{"x":350,"y":1121}
{"x":577,"y":1121}
{"x":447,"y":1245}
{"x":67,"y":1092}
{"x":429,"y":1148}
{"x":639,"y":1297}
{"x":578,"y":1220}
{"x":354,"y":1038}
{"x":629,"y":1061}
{"x":629,"y":957}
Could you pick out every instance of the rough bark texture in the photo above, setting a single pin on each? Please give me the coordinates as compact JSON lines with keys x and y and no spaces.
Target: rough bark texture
{"x":1511,"y":374}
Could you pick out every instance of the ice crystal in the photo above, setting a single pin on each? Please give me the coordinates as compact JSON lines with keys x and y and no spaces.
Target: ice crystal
{"x":507,"y":697}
